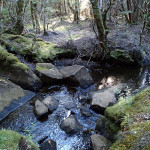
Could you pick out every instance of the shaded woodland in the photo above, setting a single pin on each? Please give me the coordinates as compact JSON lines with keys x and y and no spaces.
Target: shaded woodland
{"x":75,"y":74}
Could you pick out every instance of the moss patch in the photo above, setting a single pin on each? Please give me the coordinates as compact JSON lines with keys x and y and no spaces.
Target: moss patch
{"x":131,"y":114}
{"x":121,"y":56}
{"x":35,"y":48}
{"x":10,"y":61}
{"x":10,"y":140}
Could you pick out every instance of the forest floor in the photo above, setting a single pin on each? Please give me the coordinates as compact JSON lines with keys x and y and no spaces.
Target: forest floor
{"x":82,"y":37}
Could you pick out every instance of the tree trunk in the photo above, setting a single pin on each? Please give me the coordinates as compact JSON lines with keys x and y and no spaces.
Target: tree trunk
{"x":148,"y":18}
{"x":100,"y":26}
{"x":17,"y":29}
{"x":32,"y":14}
{"x":75,"y":11}
{"x":35,"y":17}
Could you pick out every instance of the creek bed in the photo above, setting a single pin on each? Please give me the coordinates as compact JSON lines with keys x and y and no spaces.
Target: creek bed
{"x":24,"y":121}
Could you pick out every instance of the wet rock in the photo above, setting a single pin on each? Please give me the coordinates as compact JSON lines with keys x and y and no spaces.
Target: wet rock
{"x":18,"y":72}
{"x":71,"y":125}
{"x":51,"y":103}
{"x":77,"y":74}
{"x":100,"y":124}
{"x":48,"y":145}
{"x":42,"y":140}
{"x":48,"y":73}
{"x":11,"y":97}
{"x":24,"y":78}
{"x":104,"y":98}
{"x":27,"y":80}
{"x":69,"y":105}
{"x":85,"y":111}
{"x":99,"y":142}
{"x":40,"y":109}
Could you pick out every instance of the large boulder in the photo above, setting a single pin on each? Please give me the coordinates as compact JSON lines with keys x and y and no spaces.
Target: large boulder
{"x":71,"y":125}
{"x":48,"y":73}
{"x":77,"y":74}
{"x":11,"y":97}
{"x":48,"y":145}
{"x":40,"y":109}
{"x":99,"y":142}
{"x":51,"y":103}
{"x":104,"y":98}
{"x":17,"y":71}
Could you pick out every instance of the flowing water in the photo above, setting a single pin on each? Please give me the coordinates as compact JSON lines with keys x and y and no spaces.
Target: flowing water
{"x":24,"y":121}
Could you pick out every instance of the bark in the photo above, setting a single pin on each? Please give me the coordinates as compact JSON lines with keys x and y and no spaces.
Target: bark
{"x":75,"y":11}
{"x":100,"y":26}
{"x":17,"y":29}
{"x":148,"y":18}
{"x":32,"y":14}
{"x":35,"y":17}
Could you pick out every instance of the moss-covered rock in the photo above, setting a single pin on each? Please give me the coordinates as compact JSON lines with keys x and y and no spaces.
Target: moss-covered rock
{"x":17,"y":72}
{"x":132,"y":115}
{"x":121,"y":56}
{"x":35,"y":48}
{"x":11,"y":61}
{"x":12,"y":141}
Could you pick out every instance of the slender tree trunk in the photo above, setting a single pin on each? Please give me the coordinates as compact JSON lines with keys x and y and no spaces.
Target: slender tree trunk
{"x":100,"y":26}
{"x":32,"y":14}
{"x":35,"y":17}
{"x":75,"y":11}
{"x":19,"y":26}
{"x":148,"y":18}
{"x":44,"y":22}
{"x":129,"y":9}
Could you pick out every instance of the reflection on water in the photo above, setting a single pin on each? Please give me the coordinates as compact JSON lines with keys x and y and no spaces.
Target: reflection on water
{"x":24,"y":121}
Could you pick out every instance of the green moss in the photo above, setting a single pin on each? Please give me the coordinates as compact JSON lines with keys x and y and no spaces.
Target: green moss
{"x":136,"y":137}
{"x":112,"y":127}
{"x":130,"y":113}
{"x":10,"y":61}
{"x":10,"y":140}
{"x":121,"y":56}
{"x":37,"y":49}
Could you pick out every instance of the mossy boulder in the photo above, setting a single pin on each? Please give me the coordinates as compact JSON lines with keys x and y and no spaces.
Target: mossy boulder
{"x":17,"y":72}
{"x":13,"y":141}
{"x":131,"y":115}
{"x":10,"y":60}
{"x":34,"y":48}
{"x":121,"y":56}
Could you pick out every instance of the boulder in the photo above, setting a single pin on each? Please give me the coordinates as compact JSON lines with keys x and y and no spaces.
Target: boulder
{"x":11,"y":97}
{"x":48,"y":145}
{"x":51,"y":103}
{"x":77,"y":74}
{"x":26,"y":79}
{"x":71,"y":125}
{"x":99,"y":142}
{"x":100,"y":124}
{"x":85,"y":111}
{"x":40,"y":109}
{"x":48,"y":73}
{"x":18,"y":72}
{"x":104,"y":98}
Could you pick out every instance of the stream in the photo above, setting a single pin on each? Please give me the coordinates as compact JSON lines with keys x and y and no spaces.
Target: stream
{"x":24,"y":121}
